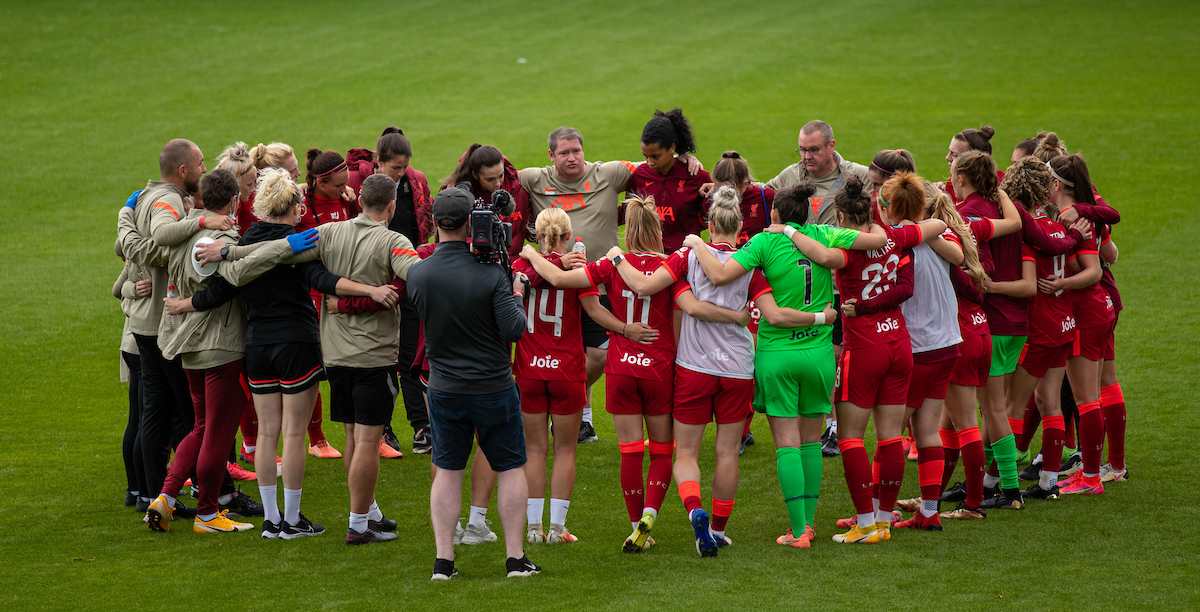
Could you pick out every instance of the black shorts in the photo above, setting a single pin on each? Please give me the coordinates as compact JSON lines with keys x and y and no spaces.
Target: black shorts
{"x":594,"y":334}
{"x":363,"y":396}
{"x":455,"y":418}
{"x":289,"y":367}
{"x":837,"y":325}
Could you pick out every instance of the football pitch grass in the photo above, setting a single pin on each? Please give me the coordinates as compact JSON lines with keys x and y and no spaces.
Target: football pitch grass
{"x":89,"y":92}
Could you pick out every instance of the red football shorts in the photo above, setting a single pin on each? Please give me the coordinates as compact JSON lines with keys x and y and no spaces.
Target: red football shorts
{"x":929,"y":381}
{"x":700,"y":398}
{"x":1090,"y":342}
{"x":974,"y":361}
{"x":553,"y":396}
{"x":1110,"y":343}
{"x":874,"y":375}
{"x":629,"y":395}
{"x":1037,"y":359}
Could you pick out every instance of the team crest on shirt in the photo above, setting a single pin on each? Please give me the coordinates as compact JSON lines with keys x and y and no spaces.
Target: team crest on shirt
{"x":754,"y":210}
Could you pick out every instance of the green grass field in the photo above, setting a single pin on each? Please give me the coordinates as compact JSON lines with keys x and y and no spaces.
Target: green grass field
{"x":89,"y":92}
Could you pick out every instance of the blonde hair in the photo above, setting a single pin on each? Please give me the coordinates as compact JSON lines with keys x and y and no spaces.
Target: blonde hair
{"x":941,"y":206}
{"x":643,"y":229}
{"x":236,"y":159}
{"x":271,"y":155}
{"x":277,"y":193}
{"x":726,"y":212}
{"x":554,"y":226}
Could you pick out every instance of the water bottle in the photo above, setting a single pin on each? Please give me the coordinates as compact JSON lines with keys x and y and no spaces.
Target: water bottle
{"x":578,"y":246}
{"x":175,"y":319}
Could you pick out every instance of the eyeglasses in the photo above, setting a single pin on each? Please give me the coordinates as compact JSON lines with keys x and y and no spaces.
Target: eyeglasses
{"x":812,"y":152}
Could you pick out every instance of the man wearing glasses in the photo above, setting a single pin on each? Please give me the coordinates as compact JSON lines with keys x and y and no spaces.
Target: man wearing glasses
{"x":822,"y":165}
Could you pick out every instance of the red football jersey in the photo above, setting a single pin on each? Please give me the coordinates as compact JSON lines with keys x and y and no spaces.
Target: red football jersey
{"x":552,"y":346}
{"x":677,"y":196}
{"x":871,"y":273}
{"x":1092,"y":305}
{"x":326,"y":210}
{"x":654,"y":361}
{"x":1051,"y":320}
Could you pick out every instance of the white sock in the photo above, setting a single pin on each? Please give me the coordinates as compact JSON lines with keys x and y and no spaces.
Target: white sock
{"x":558,"y":511}
{"x":207,"y":517}
{"x":929,"y":507}
{"x":990,"y":481}
{"x":358,"y":522}
{"x":224,"y":499}
{"x":1046,"y":480}
{"x":633,"y":524}
{"x":883,"y":517}
{"x":170,"y":501}
{"x":875,"y":503}
{"x":866,"y":519}
{"x":248,"y":448}
{"x":291,"y":506}
{"x":1038,"y":459}
{"x":651,"y":511}
{"x":534,"y":509}
{"x":374,"y":513}
{"x":717,"y":535}
{"x":833,"y":426}
{"x":270,"y":502}
{"x":587,"y":414}
{"x":1087,"y":475}
{"x":478,"y":515}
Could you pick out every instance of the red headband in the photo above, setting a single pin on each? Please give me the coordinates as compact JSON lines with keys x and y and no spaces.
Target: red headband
{"x":332,"y":171}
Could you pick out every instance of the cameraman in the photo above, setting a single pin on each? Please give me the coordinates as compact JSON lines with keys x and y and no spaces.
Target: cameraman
{"x":472,"y":314}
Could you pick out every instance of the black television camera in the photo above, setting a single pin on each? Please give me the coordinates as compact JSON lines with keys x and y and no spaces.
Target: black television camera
{"x":490,"y":235}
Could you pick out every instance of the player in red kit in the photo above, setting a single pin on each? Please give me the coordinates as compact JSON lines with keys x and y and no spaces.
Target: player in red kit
{"x":676,"y":191}
{"x":959,"y":424}
{"x":639,"y":378}
{"x":1072,"y":183}
{"x":714,"y":366}
{"x":550,"y":371}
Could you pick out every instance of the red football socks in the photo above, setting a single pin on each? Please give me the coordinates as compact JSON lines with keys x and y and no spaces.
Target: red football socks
{"x":890,"y":459}
{"x":632,"y":454}
{"x":1091,"y":436}
{"x":722,"y":508}
{"x":929,"y":472}
{"x":858,"y":474}
{"x":1029,"y":425}
{"x":658,"y":477}
{"x":972,"y":460}
{"x":1112,"y":401}
{"x":950,"y":444}
{"x":689,"y":492}
{"x":1053,"y":433}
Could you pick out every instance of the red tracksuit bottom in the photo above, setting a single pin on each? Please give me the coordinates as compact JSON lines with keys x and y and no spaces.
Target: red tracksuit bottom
{"x":218,"y":401}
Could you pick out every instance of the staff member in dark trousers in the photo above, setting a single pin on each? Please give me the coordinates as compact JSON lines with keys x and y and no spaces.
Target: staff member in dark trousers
{"x":472,"y":314}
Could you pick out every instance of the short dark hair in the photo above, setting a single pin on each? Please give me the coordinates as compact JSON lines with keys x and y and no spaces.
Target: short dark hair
{"x":174,"y":154}
{"x":816,"y":125}
{"x":217,"y":188}
{"x":563,"y":133}
{"x":377,"y":192}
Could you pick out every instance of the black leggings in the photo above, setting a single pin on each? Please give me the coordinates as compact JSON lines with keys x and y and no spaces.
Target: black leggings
{"x":130,"y":452}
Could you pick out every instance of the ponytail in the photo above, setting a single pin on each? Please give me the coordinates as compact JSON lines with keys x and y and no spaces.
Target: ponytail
{"x":670,"y":129}
{"x":941,"y":207}
{"x":643,"y":229}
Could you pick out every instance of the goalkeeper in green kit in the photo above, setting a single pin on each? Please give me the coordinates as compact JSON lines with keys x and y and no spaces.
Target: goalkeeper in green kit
{"x":793,"y":367}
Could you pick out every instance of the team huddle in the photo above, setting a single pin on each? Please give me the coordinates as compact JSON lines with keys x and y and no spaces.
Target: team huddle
{"x":831,"y":297}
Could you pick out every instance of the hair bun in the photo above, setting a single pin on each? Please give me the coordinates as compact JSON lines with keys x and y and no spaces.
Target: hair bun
{"x":725,"y":197}
{"x":312,"y":154}
{"x":987,"y":132}
{"x":853,"y":187}
{"x":730,"y":155}
{"x":391,"y":129}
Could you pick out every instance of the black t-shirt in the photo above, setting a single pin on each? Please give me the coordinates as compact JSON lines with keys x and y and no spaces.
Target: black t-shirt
{"x":405,"y":219}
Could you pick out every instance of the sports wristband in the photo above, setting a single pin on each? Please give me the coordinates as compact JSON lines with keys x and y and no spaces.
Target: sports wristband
{"x":820,"y":317}
{"x":201,"y":222}
{"x":789,"y":231}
